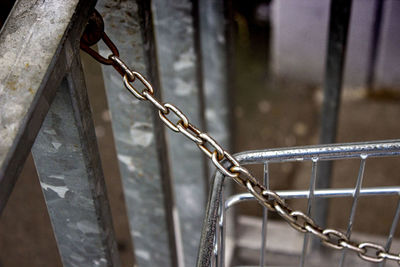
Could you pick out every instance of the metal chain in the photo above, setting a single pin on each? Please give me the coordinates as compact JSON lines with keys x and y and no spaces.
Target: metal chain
{"x":230,"y":167}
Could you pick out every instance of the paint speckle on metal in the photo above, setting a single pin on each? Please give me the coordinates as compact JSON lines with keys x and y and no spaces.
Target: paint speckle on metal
{"x":59,"y":190}
{"x":87,"y":227}
{"x":141,"y":134}
{"x":143,"y":254}
{"x":185,"y":60}
{"x":184,"y":88}
{"x":127,"y":160}
{"x":56,"y":145}
{"x":50,"y":131}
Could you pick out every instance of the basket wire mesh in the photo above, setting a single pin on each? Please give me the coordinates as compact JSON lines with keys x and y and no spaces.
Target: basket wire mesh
{"x":213,"y":245}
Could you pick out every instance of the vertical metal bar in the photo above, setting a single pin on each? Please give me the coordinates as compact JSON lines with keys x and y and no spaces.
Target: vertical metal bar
{"x":213,"y":77}
{"x":392,"y":231}
{"x":210,"y":222}
{"x":69,"y":169}
{"x":265,"y":218}
{"x":139,"y":138}
{"x":310,"y":202}
{"x":216,"y":255}
{"x":354,"y":205}
{"x":174,"y":27}
{"x":373,"y":52}
{"x":214,"y":71}
{"x":337,"y":40}
{"x":220,"y":259}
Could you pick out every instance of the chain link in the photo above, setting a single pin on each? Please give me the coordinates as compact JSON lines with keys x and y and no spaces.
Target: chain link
{"x":389,"y":256}
{"x":352,"y":246}
{"x":230,"y":167}
{"x":375,"y":257}
{"x":183,"y":119}
{"x":334,"y":238}
{"x":190,"y":132}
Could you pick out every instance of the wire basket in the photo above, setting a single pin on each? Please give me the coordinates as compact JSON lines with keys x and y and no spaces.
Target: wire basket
{"x":217,"y":245}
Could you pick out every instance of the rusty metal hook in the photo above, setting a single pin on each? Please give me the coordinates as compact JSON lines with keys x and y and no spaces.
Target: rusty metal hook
{"x":93,"y":33}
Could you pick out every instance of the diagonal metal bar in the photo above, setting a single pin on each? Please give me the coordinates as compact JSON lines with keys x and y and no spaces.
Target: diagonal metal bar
{"x":33,"y":62}
{"x":356,"y":195}
{"x":393,"y":227}
{"x":69,"y":168}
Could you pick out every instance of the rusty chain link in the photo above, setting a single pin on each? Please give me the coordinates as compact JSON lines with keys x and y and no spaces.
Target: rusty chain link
{"x":272,"y":201}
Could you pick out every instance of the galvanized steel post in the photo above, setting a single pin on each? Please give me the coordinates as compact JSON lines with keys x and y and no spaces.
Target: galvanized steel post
{"x":139,"y":137}
{"x":178,"y":59}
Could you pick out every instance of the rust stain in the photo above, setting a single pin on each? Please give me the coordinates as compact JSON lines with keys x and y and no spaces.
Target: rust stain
{"x":12,"y":85}
{"x":131,"y":31}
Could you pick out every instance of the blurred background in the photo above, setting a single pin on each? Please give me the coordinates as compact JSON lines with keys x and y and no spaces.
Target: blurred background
{"x":277,"y":72}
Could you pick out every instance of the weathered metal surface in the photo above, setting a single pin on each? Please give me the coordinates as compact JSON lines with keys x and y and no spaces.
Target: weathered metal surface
{"x":337,"y":40}
{"x":215,"y":70}
{"x":139,"y":137}
{"x":32,"y":63}
{"x":208,"y":234}
{"x":179,"y":68}
{"x":68,"y":164}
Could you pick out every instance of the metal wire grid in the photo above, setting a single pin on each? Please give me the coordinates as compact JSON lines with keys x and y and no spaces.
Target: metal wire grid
{"x":212,"y":245}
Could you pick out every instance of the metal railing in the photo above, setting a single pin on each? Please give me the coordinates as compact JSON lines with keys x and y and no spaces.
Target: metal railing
{"x":182,"y":47}
{"x":45,"y":109}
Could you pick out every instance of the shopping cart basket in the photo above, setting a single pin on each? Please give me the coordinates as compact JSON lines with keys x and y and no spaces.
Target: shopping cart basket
{"x":213,"y":246}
